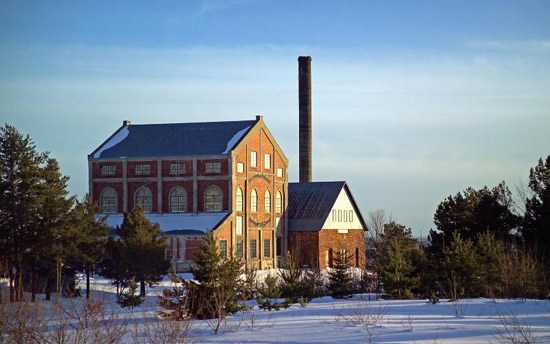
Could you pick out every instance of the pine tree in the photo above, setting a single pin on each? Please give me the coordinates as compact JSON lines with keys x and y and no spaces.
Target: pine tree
{"x":400,"y":274}
{"x":216,"y":293}
{"x":89,"y":237}
{"x":536,"y":223}
{"x":340,"y":280}
{"x":491,"y":254}
{"x":459,"y":268}
{"x":143,"y":248}
{"x":113,"y":266}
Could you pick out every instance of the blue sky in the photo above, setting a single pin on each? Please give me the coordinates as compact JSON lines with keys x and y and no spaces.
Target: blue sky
{"x":412,"y":101}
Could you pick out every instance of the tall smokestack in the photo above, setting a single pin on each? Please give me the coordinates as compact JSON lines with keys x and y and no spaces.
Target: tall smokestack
{"x":304,"y":99}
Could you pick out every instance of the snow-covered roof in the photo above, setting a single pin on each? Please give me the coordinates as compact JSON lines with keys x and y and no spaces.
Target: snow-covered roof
{"x":171,"y":222}
{"x":173,"y":139}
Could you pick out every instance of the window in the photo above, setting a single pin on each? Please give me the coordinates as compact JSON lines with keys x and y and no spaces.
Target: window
{"x":239,"y":199}
{"x":239,"y":248}
{"x":254,"y":201}
{"x":267,"y":161}
{"x":109,"y":201}
{"x":253,"y":248}
{"x":144,"y":199}
{"x":279,"y":246}
{"x":213,"y":167}
{"x":279,"y":172}
{"x":334,"y":216}
{"x":267,"y":248}
{"x":178,"y":200}
{"x":142,"y":169}
{"x":213,"y":199}
{"x":267,"y":201}
{"x":223,"y":249}
{"x":253,"y":161}
{"x":108,"y":170}
{"x":177,"y":169}
{"x":240,"y":167}
{"x":278,"y":230}
{"x":350,"y":217}
{"x":278,"y":202}
{"x":239,"y":225}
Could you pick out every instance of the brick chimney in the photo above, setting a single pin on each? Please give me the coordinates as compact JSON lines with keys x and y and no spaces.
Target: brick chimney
{"x":304,"y":99}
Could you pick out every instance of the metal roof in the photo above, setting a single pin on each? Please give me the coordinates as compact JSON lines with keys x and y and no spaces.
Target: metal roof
{"x":309,"y":204}
{"x":174,"y":139}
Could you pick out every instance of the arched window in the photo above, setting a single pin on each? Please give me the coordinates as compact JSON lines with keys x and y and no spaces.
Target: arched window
{"x":109,"y":201}
{"x":254,"y":201}
{"x":278,"y":202}
{"x":239,"y":199}
{"x":178,"y":200}
{"x":213,"y":199}
{"x":144,"y":199}
{"x":267,"y":201}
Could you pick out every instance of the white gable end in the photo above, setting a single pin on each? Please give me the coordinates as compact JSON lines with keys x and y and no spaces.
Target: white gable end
{"x":342,"y":215}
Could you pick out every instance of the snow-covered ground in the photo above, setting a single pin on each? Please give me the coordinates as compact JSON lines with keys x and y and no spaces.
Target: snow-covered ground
{"x":356,"y":320}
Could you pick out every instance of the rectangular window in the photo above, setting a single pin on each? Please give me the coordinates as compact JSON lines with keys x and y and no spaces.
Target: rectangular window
{"x":142,"y":170}
{"x":253,"y":161}
{"x":267,"y":248}
{"x":279,"y":246}
{"x":339,"y":216}
{"x":223,"y":249}
{"x":213,"y":167}
{"x":108,"y":170}
{"x":239,"y":249}
{"x":334,"y":216}
{"x":279,"y":172}
{"x":239,"y":225}
{"x":177,"y":169}
{"x":267,"y":161}
{"x":350,"y":216}
{"x":278,"y":230}
{"x":253,"y":248}
{"x":240,"y":167}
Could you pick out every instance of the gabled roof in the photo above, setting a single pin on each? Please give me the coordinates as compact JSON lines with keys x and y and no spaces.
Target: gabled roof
{"x":309,"y":204}
{"x":174,"y":139}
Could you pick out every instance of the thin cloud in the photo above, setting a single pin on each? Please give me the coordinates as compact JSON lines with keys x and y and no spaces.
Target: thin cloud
{"x":532,"y":45}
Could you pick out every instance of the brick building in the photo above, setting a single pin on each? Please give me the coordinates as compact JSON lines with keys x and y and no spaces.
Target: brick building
{"x":323,"y":218}
{"x":230,"y":177}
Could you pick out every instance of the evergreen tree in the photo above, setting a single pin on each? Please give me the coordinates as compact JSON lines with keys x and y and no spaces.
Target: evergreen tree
{"x":113,"y":266}
{"x":216,"y":293}
{"x":340,"y":279}
{"x":459,"y":268}
{"x":399,"y":274}
{"x":473,"y":212}
{"x":143,"y":248}
{"x":89,"y":237}
{"x":492,"y":255}
{"x":536,"y":223}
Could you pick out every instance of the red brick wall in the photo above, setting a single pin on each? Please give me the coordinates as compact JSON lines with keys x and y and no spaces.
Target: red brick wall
{"x":331,"y":239}
{"x":304,"y":248}
{"x":308,"y":247}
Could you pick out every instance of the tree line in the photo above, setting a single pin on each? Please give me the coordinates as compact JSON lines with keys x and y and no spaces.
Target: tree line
{"x":483,"y":244}
{"x":47,"y":235}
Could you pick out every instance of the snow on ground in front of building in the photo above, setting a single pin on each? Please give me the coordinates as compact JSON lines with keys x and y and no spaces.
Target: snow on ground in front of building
{"x":355,"y":320}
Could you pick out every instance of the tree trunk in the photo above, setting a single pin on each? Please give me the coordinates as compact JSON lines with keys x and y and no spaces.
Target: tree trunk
{"x":48,"y":290}
{"x":142,"y":288}
{"x":87,"y":284}
{"x":33,"y":286}
{"x":12,"y":291}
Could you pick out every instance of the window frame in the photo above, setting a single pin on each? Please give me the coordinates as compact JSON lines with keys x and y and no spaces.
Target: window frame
{"x":267,"y":161}
{"x":109,"y":204}
{"x":239,"y":248}
{"x":267,"y":201}
{"x":223,"y":249}
{"x":267,"y":248}
{"x":253,"y":159}
{"x":239,"y":199}
{"x":171,"y":199}
{"x":278,"y":202}
{"x":107,"y":170}
{"x":239,"y":225}
{"x":215,"y":204}
{"x":254,"y":201}
{"x":142,"y":169}
{"x":213,"y":167}
{"x":253,"y":248}
{"x":147,"y":207}
{"x":177,"y":169}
